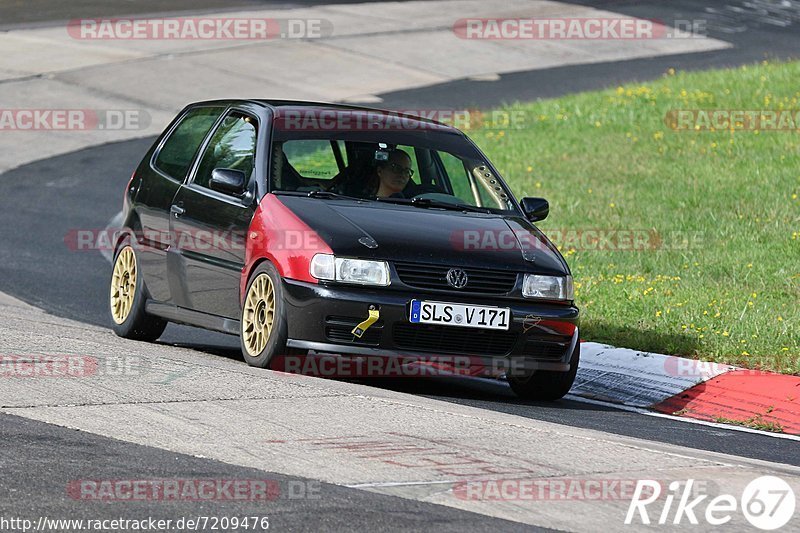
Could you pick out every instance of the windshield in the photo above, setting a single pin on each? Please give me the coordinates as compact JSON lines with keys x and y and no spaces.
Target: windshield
{"x":439,"y":167}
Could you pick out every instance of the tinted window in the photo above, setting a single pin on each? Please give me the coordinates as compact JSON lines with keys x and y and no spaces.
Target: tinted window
{"x":312,"y":158}
{"x":373,"y":167}
{"x":458,"y":177}
{"x":232,"y":146}
{"x":414,"y":155}
{"x":178,"y":151}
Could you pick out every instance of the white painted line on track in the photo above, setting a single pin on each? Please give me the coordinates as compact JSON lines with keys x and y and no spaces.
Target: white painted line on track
{"x":114,"y":224}
{"x":643,"y":411}
{"x":656,"y":414}
{"x":402,"y":483}
{"x":388,"y":442}
{"x":619,"y":378}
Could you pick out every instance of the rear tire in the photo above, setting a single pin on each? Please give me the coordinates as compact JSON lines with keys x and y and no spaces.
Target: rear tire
{"x":547,"y":385}
{"x":127,"y":297}
{"x":263,"y":325}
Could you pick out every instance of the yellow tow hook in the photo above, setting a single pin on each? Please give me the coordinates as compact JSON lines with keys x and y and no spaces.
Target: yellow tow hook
{"x":374,"y":315}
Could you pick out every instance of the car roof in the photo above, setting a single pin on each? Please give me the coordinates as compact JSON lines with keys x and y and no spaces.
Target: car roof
{"x":321,"y":107}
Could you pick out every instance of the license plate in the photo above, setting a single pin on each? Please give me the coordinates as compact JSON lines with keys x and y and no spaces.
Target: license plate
{"x":468,"y":316}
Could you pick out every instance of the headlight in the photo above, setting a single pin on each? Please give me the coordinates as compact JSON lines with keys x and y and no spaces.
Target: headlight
{"x":345,"y":270}
{"x":548,"y":287}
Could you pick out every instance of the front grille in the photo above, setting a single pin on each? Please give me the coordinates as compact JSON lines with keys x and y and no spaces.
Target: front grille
{"x":435,"y":277}
{"x":452,"y":339}
{"x":339,"y":329}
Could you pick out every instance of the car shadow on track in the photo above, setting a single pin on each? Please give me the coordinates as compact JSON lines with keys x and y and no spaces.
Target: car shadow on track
{"x":458,"y":389}
{"x":638,"y":338}
{"x":487,"y":393}
{"x":495,"y":395}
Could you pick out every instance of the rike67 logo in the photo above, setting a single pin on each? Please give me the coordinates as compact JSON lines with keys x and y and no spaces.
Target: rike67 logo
{"x":768,"y":503}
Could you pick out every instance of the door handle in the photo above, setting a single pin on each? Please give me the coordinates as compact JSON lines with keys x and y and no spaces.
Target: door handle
{"x":177,"y":210}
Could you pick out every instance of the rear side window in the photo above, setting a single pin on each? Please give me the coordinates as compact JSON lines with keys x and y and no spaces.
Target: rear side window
{"x":177,"y":152}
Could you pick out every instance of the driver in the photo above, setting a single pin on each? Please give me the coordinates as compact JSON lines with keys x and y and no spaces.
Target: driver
{"x":392,"y":175}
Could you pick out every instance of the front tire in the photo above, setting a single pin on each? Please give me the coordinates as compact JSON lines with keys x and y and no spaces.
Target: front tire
{"x":546,"y":385}
{"x":127,"y":297}
{"x":264,"y":329}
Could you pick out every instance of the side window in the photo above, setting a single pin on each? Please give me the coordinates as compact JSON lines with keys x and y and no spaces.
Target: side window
{"x":232,"y":146}
{"x":179,"y":149}
{"x":414,"y":155}
{"x":457,"y":174}
{"x":313,"y":159}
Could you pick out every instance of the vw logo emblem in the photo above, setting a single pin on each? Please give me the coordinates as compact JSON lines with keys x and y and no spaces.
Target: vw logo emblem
{"x":457,"y":278}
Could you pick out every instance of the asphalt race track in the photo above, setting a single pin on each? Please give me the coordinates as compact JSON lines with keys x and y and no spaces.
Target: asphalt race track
{"x":83,"y":191}
{"x":754,"y":38}
{"x":36,"y":478}
{"x":31,"y":13}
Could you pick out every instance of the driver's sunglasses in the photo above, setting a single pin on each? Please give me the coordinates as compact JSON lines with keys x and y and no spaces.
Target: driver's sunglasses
{"x":401,"y":169}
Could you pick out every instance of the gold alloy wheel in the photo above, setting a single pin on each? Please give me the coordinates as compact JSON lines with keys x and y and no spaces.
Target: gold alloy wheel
{"x":123,"y":285}
{"x":258,"y":315}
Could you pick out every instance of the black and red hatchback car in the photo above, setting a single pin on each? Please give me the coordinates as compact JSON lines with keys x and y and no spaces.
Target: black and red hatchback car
{"x":305,"y":226}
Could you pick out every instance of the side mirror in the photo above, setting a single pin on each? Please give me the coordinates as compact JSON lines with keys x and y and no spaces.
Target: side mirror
{"x":228,"y":181}
{"x":535,"y":208}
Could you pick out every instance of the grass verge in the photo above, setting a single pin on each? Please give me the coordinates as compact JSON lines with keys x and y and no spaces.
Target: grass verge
{"x":719,"y":276}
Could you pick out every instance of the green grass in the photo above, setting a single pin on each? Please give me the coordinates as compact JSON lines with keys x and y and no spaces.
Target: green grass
{"x":754,"y":422}
{"x":607,"y":160}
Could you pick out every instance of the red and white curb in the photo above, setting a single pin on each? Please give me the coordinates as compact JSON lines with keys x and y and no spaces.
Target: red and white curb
{"x":678,"y":386}
{"x":652,"y":383}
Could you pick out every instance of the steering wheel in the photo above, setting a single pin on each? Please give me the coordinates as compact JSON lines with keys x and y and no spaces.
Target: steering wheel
{"x":440,"y":197}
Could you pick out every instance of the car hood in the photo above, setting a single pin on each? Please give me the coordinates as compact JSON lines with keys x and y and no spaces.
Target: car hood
{"x":373,"y":230}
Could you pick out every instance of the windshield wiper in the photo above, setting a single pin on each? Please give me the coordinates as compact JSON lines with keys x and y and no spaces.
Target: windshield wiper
{"x":322,"y":194}
{"x":427,"y":202}
{"x":330,"y":194}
